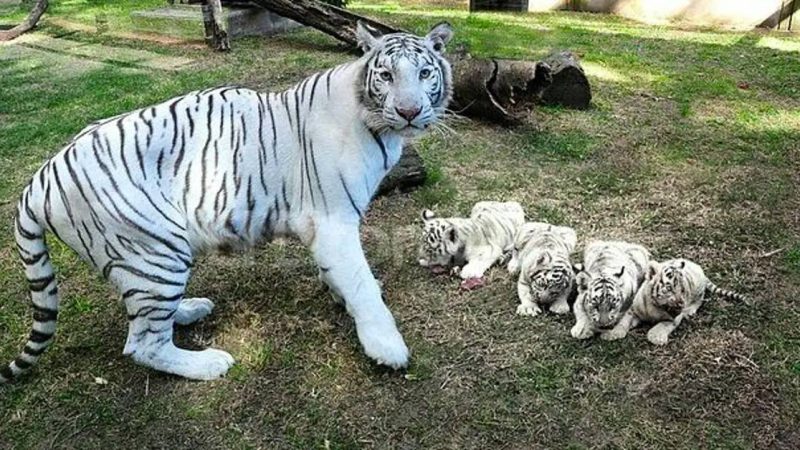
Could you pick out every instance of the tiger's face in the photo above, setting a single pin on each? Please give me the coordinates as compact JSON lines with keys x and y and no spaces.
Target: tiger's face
{"x":549,"y":278}
{"x":668,"y":287}
{"x":602,"y":297}
{"x":407,"y":82}
{"x":440,"y":246}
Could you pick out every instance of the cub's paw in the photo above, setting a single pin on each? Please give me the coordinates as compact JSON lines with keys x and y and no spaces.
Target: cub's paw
{"x":472,"y":283}
{"x":384,"y":344}
{"x":581,"y":332}
{"x":658,"y":336}
{"x":559,"y":308}
{"x":528,"y":310}
{"x":469,"y":271}
{"x":612,"y":335}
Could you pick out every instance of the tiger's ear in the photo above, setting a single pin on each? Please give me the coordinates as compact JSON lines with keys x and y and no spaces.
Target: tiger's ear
{"x":427,"y":214}
{"x":366,"y":36}
{"x":652,"y":269}
{"x":582,"y":280}
{"x":439,"y":36}
{"x":451,"y":234}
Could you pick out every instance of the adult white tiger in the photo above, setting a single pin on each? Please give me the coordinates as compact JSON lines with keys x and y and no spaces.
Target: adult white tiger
{"x":138,"y":195}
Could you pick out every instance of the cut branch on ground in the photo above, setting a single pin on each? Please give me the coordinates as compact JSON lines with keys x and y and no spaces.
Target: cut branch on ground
{"x":33,"y":18}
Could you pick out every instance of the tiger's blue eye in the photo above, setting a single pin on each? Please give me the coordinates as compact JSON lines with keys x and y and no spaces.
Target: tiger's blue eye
{"x":386,"y":76}
{"x":424,"y":73}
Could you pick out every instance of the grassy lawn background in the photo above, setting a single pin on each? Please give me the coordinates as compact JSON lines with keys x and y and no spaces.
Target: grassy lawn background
{"x":674,"y":154}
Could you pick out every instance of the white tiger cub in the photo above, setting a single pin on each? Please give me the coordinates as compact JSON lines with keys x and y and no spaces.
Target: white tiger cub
{"x":139,"y":195}
{"x":476,"y":243}
{"x":611,"y":274}
{"x":672,"y":291}
{"x":541,"y":256}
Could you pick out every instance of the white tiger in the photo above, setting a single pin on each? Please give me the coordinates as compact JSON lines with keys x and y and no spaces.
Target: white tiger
{"x":611,"y":274}
{"x":476,"y":243}
{"x":541,"y":256}
{"x":140,"y":194}
{"x":672,"y":291}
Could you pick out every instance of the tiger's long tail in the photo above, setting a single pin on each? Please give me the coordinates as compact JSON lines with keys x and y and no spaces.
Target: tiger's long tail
{"x":32,"y":249}
{"x":713,"y":289}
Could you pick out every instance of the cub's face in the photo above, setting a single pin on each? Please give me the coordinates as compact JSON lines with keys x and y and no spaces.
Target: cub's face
{"x":549,"y":278}
{"x":440,"y":246}
{"x":407,"y":82}
{"x":668,"y":288}
{"x":602,"y":297}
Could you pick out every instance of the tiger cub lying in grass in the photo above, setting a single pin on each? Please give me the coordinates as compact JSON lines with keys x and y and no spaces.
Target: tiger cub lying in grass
{"x":476,"y":243}
{"x":672,"y":291}
{"x":541,"y":256}
{"x":607,"y":283}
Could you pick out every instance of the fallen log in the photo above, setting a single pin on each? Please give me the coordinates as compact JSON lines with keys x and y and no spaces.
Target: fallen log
{"x":408,"y":173}
{"x":33,"y":18}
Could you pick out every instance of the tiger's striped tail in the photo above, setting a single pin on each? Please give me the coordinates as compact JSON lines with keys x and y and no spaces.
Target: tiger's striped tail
{"x":32,"y":248}
{"x":713,"y":289}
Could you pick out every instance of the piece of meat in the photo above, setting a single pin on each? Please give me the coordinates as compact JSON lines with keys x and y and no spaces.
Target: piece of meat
{"x":473,"y":283}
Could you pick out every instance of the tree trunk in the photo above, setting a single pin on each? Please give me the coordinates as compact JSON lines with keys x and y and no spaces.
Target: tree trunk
{"x":329,"y":19}
{"x":30,"y":22}
{"x":216,"y":35}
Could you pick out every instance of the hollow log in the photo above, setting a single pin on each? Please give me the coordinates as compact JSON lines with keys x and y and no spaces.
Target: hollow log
{"x":408,"y":173}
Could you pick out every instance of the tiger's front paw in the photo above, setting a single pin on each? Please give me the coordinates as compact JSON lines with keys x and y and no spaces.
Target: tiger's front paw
{"x":469,"y":271}
{"x":383,"y":343}
{"x":658,"y":336}
{"x":580,"y":331}
{"x":559,"y":308}
{"x":613,"y":335}
{"x":528,"y":310}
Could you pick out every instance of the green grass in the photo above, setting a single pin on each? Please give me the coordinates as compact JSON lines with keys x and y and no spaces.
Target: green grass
{"x":673,"y":154}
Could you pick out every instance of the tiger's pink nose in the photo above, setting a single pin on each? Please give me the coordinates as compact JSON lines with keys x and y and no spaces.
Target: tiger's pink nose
{"x":408,"y":113}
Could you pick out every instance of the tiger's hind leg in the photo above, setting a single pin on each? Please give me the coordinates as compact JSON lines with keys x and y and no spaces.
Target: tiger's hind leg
{"x":154,"y":301}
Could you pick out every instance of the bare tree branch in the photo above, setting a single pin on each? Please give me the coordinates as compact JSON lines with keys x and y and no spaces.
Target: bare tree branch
{"x":36,"y":13}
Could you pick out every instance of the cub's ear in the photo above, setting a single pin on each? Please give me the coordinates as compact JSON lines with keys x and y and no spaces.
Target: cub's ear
{"x":577,"y":268}
{"x":427,"y":214}
{"x":439,"y":36}
{"x":652,"y":269}
{"x":582,"y":280}
{"x":366,"y":36}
